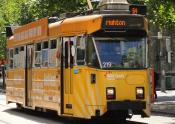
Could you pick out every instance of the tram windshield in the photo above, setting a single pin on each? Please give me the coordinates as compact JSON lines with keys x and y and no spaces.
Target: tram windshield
{"x":121,"y":53}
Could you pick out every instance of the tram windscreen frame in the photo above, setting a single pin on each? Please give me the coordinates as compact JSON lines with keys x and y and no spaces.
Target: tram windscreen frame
{"x":113,"y":52}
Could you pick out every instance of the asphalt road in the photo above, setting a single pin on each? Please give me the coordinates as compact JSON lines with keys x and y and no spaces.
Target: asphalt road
{"x":14,"y":116}
{"x":10,"y":115}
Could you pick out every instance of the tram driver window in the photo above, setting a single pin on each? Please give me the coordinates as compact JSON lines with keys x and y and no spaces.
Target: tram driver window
{"x":45,"y":47}
{"x":80,"y":50}
{"x":38,"y":55}
{"x":91,"y":58}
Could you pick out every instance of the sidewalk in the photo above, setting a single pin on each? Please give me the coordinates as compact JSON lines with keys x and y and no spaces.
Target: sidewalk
{"x":2,"y":98}
{"x":165,"y":102}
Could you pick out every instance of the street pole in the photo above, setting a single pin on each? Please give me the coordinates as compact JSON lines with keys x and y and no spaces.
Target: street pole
{"x":162,"y":62}
{"x":3,"y":66}
{"x":3,"y":77}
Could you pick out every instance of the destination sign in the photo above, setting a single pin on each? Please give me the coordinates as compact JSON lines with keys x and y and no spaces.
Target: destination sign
{"x":115,"y":22}
{"x":138,"y":9}
{"x":123,"y":22}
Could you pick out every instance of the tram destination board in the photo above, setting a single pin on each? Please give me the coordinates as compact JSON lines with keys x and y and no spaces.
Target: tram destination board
{"x":123,"y":22}
{"x":138,"y":9}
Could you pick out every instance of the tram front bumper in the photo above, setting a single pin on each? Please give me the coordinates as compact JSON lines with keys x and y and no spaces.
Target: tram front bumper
{"x":126,"y":105}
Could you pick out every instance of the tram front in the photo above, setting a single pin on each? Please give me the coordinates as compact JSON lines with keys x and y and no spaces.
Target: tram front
{"x":111,"y":77}
{"x":118,"y":52}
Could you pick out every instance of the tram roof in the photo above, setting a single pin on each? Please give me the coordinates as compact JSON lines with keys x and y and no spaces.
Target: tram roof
{"x":75,"y":26}
{"x":67,"y":27}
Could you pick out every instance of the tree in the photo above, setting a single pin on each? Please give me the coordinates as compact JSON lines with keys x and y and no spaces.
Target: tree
{"x":9,"y":15}
{"x":162,"y":13}
{"x":43,"y":8}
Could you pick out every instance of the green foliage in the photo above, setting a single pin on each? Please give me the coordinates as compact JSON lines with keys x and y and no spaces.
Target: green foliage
{"x":43,"y":8}
{"x":10,"y":11}
{"x":162,"y":13}
{"x":2,"y":47}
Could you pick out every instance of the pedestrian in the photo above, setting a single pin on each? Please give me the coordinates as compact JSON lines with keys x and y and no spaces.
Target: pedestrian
{"x":0,"y":74}
{"x":156,"y":80}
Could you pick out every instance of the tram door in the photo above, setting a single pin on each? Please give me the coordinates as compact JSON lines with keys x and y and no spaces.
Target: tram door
{"x":28,"y":76}
{"x":68,"y":65}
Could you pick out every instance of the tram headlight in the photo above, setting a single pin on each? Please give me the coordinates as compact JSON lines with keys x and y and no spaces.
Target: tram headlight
{"x":110,"y":93}
{"x":139,"y":92}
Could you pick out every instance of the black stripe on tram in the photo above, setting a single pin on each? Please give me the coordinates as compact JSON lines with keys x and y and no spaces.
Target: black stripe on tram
{"x":62,"y":77}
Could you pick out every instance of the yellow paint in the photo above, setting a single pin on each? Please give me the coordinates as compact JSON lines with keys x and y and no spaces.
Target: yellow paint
{"x":93,"y":96}
{"x":84,"y":96}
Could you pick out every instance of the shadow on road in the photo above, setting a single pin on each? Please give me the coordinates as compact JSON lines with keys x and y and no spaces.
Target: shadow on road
{"x":160,"y":114}
{"x":52,"y":118}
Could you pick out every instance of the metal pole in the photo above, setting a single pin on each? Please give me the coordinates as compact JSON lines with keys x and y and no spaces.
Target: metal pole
{"x":162,"y":65}
{"x":3,"y":77}
{"x":162,"y":62}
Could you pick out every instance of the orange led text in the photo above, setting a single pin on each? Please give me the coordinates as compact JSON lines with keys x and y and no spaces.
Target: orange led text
{"x":115,"y":22}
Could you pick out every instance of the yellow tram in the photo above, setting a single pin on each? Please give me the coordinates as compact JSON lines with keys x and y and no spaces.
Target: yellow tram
{"x":85,"y":66}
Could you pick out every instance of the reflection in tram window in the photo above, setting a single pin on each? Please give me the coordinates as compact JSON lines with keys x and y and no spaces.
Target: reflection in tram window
{"x":22,"y":57}
{"x":11,"y":59}
{"x":122,"y":53}
{"x":52,"y":53}
{"x":38,"y":55}
{"x":45,"y":47}
{"x":16,"y":58}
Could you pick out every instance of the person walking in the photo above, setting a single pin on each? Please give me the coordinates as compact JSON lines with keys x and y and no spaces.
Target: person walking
{"x":156,"y":80}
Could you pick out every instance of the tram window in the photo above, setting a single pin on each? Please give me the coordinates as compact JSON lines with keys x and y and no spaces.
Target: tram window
{"x":16,"y":58}
{"x":21,"y":58}
{"x":45,"y":45}
{"x":53,"y":44}
{"x":38,"y":58}
{"x":21,"y":49}
{"x":45,"y":54}
{"x":58,"y":53}
{"x":38,"y":47}
{"x":80,"y":51}
{"x":16,"y":51}
{"x":52,"y":53}
{"x":11,"y":59}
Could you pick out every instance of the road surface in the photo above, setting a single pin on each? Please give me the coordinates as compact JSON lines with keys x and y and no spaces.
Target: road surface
{"x":10,"y":115}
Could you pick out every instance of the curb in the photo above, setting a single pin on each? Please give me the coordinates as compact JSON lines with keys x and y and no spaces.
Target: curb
{"x":163,"y":106}
{"x":168,"y":108}
{"x":163,"y":112}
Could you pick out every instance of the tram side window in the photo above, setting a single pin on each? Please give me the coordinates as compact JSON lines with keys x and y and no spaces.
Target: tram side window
{"x":22,"y":57}
{"x":45,"y":46}
{"x":16,"y":58}
{"x":11,"y":59}
{"x":80,"y":50}
{"x":38,"y":58}
{"x":52,"y":53}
